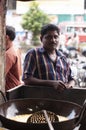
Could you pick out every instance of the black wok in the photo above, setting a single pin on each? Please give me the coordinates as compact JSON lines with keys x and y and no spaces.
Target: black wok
{"x":28,"y":106}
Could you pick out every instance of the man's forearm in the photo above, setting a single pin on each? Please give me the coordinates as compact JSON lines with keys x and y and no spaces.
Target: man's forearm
{"x":35,"y":81}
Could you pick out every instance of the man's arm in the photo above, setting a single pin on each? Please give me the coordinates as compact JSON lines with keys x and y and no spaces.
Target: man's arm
{"x":8,"y":64}
{"x":57,"y":84}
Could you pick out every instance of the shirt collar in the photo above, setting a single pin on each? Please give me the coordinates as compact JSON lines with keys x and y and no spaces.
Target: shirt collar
{"x":59,"y":53}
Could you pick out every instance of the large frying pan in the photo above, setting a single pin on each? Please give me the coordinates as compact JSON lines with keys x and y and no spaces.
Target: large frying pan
{"x":27,"y":106}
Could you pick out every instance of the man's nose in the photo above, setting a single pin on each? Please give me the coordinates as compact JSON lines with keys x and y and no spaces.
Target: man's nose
{"x":52,"y":39}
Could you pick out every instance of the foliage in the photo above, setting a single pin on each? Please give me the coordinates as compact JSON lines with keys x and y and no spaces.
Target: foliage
{"x":34,"y":19}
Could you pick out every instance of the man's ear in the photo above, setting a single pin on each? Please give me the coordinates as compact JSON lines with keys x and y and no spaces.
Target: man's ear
{"x":7,"y":37}
{"x":41,"y":38}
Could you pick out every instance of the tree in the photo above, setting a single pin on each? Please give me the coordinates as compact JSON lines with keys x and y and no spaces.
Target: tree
{"x":33,"y":20}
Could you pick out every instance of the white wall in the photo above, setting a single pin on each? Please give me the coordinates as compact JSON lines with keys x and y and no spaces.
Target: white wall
{"x":55,"y":6}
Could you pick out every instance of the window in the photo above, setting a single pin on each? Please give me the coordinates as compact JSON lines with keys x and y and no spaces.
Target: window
{"x":11,"y":4}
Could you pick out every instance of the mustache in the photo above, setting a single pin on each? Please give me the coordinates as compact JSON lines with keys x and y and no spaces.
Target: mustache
{"x":53,"y":43}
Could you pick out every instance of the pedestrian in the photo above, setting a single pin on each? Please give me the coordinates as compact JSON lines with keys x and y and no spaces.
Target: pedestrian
{"x":76,"y":41}
{"x":46,"y":65}
{"x":13,"y":60}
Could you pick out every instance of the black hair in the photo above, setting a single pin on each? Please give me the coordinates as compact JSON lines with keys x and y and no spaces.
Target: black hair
{"x":10,"y":31}
{"x":49,"y":27}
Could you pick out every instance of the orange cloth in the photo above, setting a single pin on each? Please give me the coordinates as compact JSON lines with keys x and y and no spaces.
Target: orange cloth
{"x":12,"y":68}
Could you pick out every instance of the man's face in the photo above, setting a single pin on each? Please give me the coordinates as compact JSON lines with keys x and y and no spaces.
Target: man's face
{"x":50,"y":40}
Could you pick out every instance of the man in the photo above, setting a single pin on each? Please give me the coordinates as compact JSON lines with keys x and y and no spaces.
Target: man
{"x":46,"y":65}
{"x":13,"y":61}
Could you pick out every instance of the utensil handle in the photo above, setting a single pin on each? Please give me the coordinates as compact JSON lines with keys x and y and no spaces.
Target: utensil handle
{"x":48,"y":121}
{"x":4,"y":97}
{"x":82,"y":113}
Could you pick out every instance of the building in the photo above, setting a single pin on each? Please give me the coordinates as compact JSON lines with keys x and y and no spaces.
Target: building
{"x":58,"y":10}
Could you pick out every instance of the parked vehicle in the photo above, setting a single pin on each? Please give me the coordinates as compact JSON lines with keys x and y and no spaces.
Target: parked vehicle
{"x":69,"y":28}
{"x":77,"y":62}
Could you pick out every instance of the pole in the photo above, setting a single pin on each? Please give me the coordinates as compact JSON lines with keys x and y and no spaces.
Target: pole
{"x":2,"y":46}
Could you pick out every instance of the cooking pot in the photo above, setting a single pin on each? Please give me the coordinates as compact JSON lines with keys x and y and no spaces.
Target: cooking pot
{"x":30,"y":105}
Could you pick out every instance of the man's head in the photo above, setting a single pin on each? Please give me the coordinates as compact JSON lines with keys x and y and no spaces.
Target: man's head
{"x":50,"y":37}
{"x":49,"y":27}
{"x":10,"y":36}
{"x":10,"y":32}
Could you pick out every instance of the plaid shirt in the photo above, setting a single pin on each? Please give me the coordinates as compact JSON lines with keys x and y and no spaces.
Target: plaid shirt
{"x":38,"y":64}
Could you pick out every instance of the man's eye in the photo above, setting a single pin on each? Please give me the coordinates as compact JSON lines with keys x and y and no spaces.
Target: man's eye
{"x":48,"y":37}
{"x":56,"y":37}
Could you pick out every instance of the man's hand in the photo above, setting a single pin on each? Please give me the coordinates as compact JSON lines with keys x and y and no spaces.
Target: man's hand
{"x":71,"y":84}
{"x":59,"y":85}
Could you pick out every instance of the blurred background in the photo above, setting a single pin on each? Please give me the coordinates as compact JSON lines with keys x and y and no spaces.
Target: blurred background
{"x":69,"y":15}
